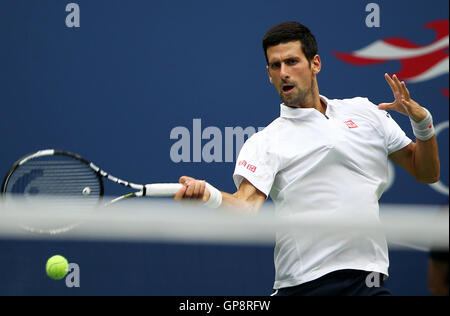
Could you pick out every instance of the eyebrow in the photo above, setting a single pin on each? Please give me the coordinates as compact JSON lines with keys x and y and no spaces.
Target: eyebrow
{"x":284,"y":60}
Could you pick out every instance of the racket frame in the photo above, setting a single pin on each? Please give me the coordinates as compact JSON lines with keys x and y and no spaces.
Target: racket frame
{"x":49,"y":152}
{"x":159,"y":189}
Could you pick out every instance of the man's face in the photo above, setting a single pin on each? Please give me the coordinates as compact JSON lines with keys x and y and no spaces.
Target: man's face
{"x":292,"y":74}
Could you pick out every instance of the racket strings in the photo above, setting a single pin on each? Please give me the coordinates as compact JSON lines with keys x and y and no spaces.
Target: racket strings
{"x":55,"y":176}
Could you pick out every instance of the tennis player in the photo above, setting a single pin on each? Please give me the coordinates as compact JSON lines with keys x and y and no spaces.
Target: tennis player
{"x":326,"y":159}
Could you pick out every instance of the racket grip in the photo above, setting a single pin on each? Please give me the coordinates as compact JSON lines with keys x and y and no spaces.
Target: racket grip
{"x":162,"y":189}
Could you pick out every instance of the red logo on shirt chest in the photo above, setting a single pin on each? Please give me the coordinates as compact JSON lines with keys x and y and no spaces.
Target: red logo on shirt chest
{"x":351,"y":124}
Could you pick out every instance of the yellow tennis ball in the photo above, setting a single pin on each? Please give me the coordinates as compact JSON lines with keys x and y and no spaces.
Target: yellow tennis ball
{"x":57,"y":267}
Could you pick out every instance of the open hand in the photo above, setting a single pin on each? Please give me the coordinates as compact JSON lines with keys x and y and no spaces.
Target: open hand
{"x":403,"y":102}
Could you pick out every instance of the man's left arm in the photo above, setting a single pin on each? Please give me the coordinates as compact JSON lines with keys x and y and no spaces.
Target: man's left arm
{"x":420,"y":159}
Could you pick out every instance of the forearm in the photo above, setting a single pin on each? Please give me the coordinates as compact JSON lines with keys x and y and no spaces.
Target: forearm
{"x":240,"y":202}
{"x":247,"y":198}
{"x":425,"y":155}
{"x":426,"y":161}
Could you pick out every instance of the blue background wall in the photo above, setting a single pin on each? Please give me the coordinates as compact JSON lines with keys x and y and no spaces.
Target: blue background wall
{"x":113,"y":89}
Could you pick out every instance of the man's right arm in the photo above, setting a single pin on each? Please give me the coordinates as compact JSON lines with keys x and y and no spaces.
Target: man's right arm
{"x":247,"y":198}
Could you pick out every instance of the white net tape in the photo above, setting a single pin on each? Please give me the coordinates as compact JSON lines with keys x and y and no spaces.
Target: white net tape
{"x":405,"y":226}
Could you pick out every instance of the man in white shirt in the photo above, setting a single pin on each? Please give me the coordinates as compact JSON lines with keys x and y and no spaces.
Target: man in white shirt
{"x":325,"y":159}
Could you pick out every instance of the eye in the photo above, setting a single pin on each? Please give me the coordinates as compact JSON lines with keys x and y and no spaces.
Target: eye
{"x":291,"y":61}
{"x":275,"y":65}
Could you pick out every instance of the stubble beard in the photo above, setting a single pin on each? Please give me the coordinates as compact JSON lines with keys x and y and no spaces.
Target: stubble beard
{"x":300,"y":98}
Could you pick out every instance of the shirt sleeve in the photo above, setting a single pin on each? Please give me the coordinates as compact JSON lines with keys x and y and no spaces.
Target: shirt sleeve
{"x":395,"y":137}
{"x":257,"y":163}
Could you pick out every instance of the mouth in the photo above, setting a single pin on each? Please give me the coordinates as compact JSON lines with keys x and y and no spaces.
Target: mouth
{"x":287,"y":89}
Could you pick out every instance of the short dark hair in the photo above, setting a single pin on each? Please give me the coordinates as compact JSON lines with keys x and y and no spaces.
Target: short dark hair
{"x":288,"y":32}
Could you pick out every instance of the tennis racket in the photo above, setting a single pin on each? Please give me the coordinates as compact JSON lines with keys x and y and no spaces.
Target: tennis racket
{"x":63,"y":175}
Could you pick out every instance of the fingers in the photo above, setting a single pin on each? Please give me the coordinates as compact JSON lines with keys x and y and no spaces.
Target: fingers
{"x":179,"y":195}
{"x":185,"y":179}
{"x":406,"y":102}
{"x":405,"y":91}
{"x":398,"y":85}
{"x":403,"y":102}
{"x":192,"y":189}
{"x":391,"y":83}
{"x":404,"y":97}
{"x":195,"y":190}
{"x":385,"y":106}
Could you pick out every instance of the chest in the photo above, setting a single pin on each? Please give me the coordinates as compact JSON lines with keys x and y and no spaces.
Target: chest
{"x":346,"y":141}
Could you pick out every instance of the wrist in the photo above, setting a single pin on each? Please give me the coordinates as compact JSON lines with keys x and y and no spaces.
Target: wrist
{"x":215,"y":197}
{"x":423,"y":129}
{"x":419,"y":115}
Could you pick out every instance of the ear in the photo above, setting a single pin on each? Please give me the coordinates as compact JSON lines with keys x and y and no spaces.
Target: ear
{"x":316,"y":64}
{"x":268,"y":72}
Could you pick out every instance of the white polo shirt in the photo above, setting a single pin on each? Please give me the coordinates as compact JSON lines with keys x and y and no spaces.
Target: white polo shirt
{"x":328,"y":167}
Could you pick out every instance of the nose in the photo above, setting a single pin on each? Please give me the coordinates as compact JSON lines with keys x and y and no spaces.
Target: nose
{"x":284,"y":71}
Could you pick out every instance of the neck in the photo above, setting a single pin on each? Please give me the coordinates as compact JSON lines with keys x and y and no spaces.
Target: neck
{"x":314,"y":102}
{"x":317,"y":102}
{"x":322,"y":107}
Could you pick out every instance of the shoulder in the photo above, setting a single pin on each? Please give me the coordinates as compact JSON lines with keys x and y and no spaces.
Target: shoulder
{"x":360,"y":106}
{"x":356,"y":102}
{"x":267,"y":133}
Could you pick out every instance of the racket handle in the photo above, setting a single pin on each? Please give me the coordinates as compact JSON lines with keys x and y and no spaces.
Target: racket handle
{"x":162,"y":189}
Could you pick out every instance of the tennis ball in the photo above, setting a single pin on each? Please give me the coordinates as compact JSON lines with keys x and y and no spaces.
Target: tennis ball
{"x":57,"y":267}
